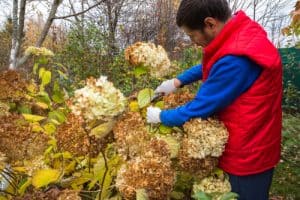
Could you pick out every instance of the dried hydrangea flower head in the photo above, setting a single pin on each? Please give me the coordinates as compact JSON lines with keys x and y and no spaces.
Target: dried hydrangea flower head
{"x":18,"y":141}
{"x":39,"y":51}
{"x":3,"y":160}
{"x":213,"y":186}
{"x":154,"y":174}
{"x":131,"y":135}
{"x":157,"y":148}
{"x":13,"y":86}
{"x":69,"y":195}
{"x":4,"y":109}
{"x":149,"y":55}
{"x":199,"y":168}
{"x":98,"y":100}
{"x":72,"y":137}
{"x":176,"y":99}
{"x":205,"y":138}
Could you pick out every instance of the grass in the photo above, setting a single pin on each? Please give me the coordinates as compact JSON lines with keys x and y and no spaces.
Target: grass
{"x":286,"y":181}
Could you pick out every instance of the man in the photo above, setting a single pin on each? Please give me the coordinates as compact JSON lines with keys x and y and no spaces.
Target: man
{"x":242,"y":84}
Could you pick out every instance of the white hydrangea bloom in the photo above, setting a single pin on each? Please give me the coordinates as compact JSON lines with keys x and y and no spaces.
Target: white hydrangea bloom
{"x":98,"y":100}
{"x":205,"y":138}
{"x":148,"y":55}
{"x":213,"y":186}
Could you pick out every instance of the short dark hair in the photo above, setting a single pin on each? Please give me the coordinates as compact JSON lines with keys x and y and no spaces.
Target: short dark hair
{"x":192,"y":13}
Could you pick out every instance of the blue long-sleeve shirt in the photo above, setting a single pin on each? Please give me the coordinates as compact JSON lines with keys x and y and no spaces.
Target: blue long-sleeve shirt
{"x":228,"y":79}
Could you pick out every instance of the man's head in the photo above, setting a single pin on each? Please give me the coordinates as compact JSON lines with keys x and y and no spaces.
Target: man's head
{"x":202,"y":20}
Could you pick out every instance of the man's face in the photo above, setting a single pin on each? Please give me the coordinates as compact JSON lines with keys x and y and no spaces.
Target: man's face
{"x":204,"y":37}
{"x":201,"y":38}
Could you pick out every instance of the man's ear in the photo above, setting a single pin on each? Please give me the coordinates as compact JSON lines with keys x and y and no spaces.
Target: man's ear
{"x":210,"y":22}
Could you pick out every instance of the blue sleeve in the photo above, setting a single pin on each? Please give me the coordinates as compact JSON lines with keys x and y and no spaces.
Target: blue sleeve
{"x":191,"y":75}
{"x":228,"y":79}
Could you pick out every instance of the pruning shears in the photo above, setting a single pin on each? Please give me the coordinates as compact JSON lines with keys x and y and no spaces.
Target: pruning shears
{"x":156,"y":96}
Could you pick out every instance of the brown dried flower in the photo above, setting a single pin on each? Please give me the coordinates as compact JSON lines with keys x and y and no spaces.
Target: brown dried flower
{"x":205,"y":138}
{"x":130,"y":135}
{"x":13,"y":86}
{"x":72,"y":137}
{"x":155,"y":175}
{"x":18,"y":141}
{"x":179,"y":98}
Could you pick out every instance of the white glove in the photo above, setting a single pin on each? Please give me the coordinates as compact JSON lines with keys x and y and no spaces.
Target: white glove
{"x":153,"y":114}
{"x":166,"y":87}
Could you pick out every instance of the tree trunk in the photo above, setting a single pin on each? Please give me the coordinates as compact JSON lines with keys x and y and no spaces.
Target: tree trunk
{"x":15,"y":45}
{"x":45,"y":30}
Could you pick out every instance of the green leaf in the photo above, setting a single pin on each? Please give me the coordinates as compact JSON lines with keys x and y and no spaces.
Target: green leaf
{"x":201,"y":196}
{"x":62,"y":74}
{"x":43,"y":60}
{"x":144,"y":97}
{"x":229,"y":196}
{"x":141,"y":194}
{"x":44,"y":177}
{"x":46,"y":78}
{"x":33,"y":118}
{"x":140,"y":70}
{"x":57,"y":115}
{"x":116,"y":197}
{"x":41,"y":72}
{"x":58,"y":95}
{"x":58,"y":98}
{"x":103,"y":129}
{"x":23,"y":109}
{"x":43,"y":97}
{"x":3,"y":197}
{"x":106,"y":187}
{"x":177,"y":195}
{"x":24,"y":186}
{"x":160,"y":104}
{"x":35,"y":67}
{"x":49,"y":128}
{"x":165,"y":130}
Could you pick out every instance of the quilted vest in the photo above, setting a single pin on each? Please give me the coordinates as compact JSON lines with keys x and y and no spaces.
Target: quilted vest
{"x":253,"y":120}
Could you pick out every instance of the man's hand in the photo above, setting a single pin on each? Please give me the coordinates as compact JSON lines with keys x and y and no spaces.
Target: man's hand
{"x":168,"y":86}
{"x":153,"y":114}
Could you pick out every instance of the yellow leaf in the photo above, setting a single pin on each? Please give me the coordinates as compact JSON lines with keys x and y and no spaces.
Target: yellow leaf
{"x":20,"y":169}
{"x":42,"y":105}
{"x":36,"y":127}
{"x":70,"y":168}
{"x":165,"y":130}
{"x":44,"y":177}
{"x":134,"y":106}
{"x":103,"y":129}
{"x":50,"y":128}
{"x":33,"y":118}
{"x":144,"y":97}
{"x":160,"y":104}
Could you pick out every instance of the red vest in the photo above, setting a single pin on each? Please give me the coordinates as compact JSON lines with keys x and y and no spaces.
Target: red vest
{"x":254,"y":120}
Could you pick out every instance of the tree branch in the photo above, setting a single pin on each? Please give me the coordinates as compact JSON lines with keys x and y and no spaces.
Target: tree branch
{"x":80,"y":13}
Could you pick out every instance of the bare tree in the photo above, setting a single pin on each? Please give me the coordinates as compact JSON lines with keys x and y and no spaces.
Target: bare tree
{"x":18,"y":18}
{"x":269,"y":13}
